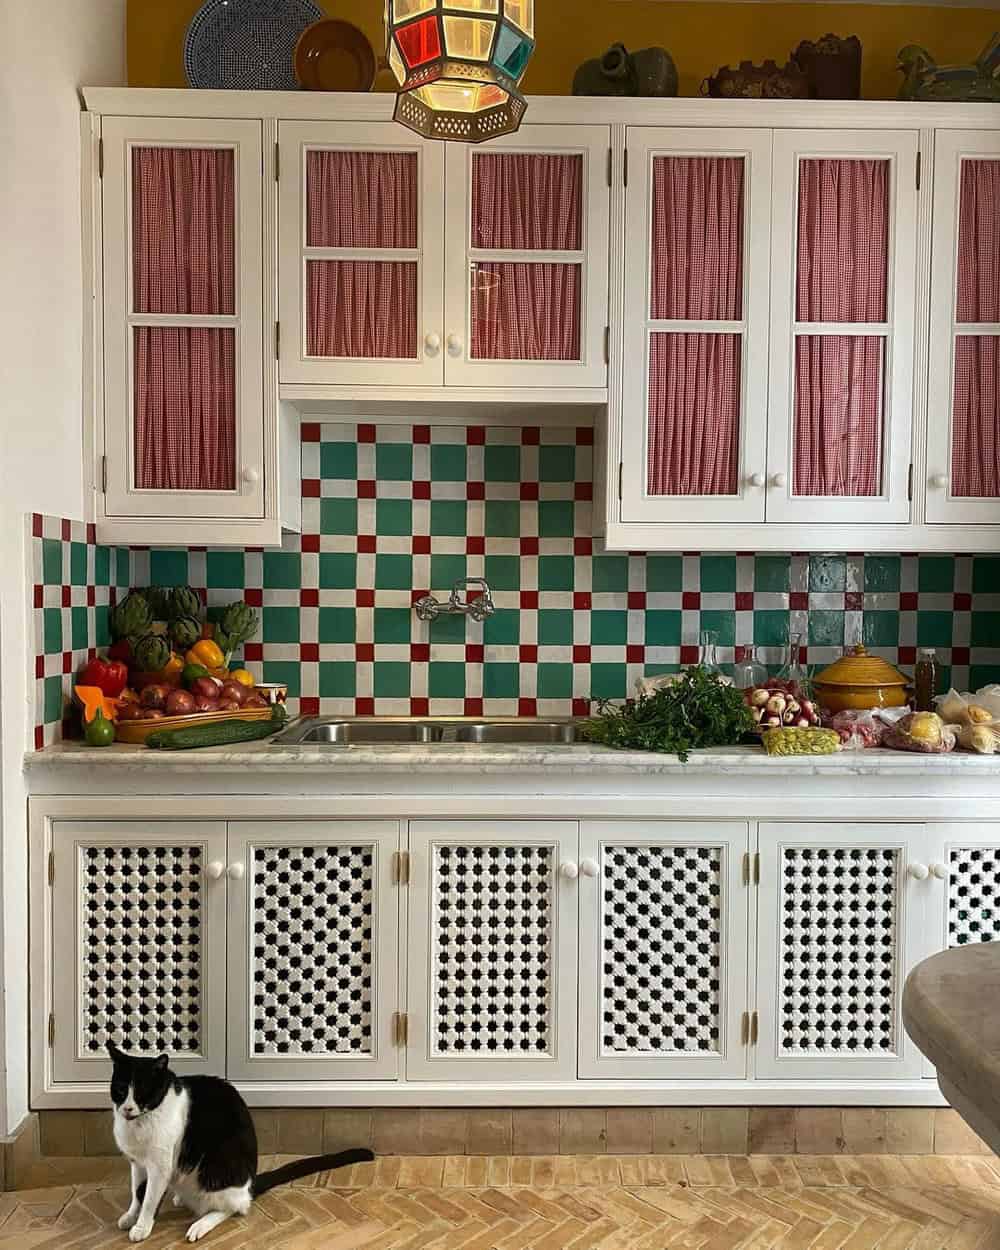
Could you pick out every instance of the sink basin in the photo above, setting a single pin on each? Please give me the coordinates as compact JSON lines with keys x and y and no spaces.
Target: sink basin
{"x":343,"y":731}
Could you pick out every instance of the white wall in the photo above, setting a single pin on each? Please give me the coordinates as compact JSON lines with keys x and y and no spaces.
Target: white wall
{"x":49,"y":49}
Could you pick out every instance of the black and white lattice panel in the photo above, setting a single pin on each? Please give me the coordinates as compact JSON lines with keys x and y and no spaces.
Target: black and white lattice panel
{"x":662,"y":949}
{"x":973,"y":895}
{"x":140,"y":943}
{"x":493,"y":930}
{"x":311,"y":968}
{"x":839,"y":928}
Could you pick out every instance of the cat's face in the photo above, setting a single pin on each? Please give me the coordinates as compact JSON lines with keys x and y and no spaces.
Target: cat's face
{"x":138,"y":1085}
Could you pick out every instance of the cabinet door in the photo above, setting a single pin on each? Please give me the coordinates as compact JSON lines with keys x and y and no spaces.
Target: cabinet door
{"x":138,"y":941}
{"x":842,"y":310}
{"x":361,"y":211}
{"x":963,"y":416}
{"x":841,"y":920}
{"x":492,"y":951}
{"x":964,"y":884}
{"x":696,"y":294}
{"x":663,"y":950}
{"x":313,"y":953}
{"x":527,"y":259}
{"x":183,"y":345}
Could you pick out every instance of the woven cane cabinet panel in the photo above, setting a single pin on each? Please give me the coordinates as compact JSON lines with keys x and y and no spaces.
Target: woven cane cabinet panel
{"x":312,"y":949}
{"x":492,"y":948}
{"x":138,"y":932}
{"x":973,"y":913}
{"x":663,"y":923}
{"x":841,"y":923}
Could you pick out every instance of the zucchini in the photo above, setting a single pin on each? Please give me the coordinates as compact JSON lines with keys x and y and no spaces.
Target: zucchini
{"x":222,"y":733}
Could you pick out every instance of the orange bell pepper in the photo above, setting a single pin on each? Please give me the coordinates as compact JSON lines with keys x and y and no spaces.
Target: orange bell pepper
{"x":94,"y":700}
{"x":207,"y":654}
{"x":172,"y":667}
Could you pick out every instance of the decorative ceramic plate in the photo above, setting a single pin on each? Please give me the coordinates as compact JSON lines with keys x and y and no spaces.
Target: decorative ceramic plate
{"x":246,"y":45}
{"x":334,"y":56}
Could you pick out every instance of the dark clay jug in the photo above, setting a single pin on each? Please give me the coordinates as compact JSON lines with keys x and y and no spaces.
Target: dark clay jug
{"x":650,"y":72}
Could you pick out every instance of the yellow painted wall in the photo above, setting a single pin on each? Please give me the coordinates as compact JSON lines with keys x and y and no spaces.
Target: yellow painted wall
{"x":699,"y":36}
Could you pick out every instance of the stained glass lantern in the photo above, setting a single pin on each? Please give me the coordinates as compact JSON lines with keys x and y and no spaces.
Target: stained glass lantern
{"x":458,"y":64}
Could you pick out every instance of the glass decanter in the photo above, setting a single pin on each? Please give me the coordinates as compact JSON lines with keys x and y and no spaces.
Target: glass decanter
{"x":708,"y":656}
{"x":793,"y":672}
{"x":748,"y":671}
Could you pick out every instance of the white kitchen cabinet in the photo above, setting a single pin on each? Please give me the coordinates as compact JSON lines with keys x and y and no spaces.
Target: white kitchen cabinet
{"x":664,"y":914}
{"x":964,"y":884}
{"x":313,"y":953}
{"x":491,"y":950}
{"x":842,"y":918}
{"x":963,"y":423}
{"x":138,"y":934}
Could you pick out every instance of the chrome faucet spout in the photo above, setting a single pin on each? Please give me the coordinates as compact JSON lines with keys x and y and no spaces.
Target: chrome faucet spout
{"x":479,"y":608}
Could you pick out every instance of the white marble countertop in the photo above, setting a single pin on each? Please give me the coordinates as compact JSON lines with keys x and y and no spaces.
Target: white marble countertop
{"x":576,"y":759}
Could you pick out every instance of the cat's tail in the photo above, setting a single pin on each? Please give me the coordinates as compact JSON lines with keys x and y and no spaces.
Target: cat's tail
{"x":307,"y":1167}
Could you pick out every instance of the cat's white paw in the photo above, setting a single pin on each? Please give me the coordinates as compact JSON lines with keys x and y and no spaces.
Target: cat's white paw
{"x":199,"y":1228}
{"x":140,"y":1232}
{"x":126,"y":1221}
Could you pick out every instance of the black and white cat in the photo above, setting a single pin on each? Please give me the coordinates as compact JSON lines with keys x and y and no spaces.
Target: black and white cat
{"x":193,"y":1134}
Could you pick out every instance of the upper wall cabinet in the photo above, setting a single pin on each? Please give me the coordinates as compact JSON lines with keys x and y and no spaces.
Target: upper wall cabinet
{"x":416,"y":263}
{"x":963,"y":443}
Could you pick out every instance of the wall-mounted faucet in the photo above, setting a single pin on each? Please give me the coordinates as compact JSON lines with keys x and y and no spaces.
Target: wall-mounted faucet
{"x":428,"y":608}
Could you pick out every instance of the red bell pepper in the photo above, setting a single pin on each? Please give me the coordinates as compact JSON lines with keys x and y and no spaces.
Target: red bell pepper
{"x":107,"y":675}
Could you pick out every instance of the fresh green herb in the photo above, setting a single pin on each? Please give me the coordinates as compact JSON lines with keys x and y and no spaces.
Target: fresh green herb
{"x":695,"y":711}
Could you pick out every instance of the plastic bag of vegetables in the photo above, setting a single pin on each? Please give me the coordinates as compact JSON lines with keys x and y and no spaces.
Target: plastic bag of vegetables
{"x":921,"y":731}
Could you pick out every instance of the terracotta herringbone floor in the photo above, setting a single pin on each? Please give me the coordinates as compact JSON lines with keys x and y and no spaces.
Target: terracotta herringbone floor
{"x":630,"y":1202}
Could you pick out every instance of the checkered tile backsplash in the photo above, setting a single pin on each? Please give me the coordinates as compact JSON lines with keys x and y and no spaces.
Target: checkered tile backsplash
{"x":393,"y":512}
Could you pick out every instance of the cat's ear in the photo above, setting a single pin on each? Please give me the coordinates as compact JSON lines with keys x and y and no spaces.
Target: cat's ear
{"x":160,"y":1062}
{"x":115,"y":1053}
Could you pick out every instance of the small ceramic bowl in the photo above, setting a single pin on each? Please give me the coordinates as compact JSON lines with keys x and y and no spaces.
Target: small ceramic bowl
{"x":273,"y":692}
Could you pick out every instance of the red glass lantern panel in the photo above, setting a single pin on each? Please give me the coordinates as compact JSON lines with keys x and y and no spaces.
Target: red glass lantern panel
{"x":419,"y":42}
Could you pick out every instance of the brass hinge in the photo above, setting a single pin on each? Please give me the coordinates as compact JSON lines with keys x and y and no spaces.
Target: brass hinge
{"x":52,"y":867}
{"x":277,"y":162}
{"x":52,"y":1028}
{"x":400,"y":1028}
{"x":745,"y":1028}
{"x":100,"y":158}
{"x":610,"y":164}
{"x":746,"y":867}
{"x":909,"y":483}
{"x":621,"y":471}
{"x":756,"y":868}
{"x":607,"y":344}
{"x":104,"y":475}
{"x":625,"y":168}
{"x":918,"y":169}
{"x":401,"y":867}
{"x":753,"y":1029}
{"x":277,"y":340}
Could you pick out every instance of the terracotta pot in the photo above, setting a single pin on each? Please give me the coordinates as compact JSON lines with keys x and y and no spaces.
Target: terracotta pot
{"x":859,"y":681}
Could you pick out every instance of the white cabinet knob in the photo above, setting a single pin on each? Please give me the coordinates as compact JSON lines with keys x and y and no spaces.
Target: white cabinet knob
{"x":250,"y":474}
{"x":779,"y":480}
{"x":590,"y":867}
{"x":940,"y":871}
{"x":215,"y":869}
{"x":939,"y":481}
{"x":569,"y":870}
{"x":236,"y":872}
{"x":455,"y":345}
{"x":758,"y":479}
{"x":432,"y":344}
{"x":919,"y":871}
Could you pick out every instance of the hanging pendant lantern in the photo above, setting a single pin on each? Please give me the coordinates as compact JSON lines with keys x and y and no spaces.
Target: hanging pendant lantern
{"x":458,"y":64}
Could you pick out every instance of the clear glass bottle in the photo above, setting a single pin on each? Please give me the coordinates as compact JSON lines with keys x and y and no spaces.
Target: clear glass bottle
{"x":793,"y":671}
{"x":708,"y":656}
{"x":748,"y":671}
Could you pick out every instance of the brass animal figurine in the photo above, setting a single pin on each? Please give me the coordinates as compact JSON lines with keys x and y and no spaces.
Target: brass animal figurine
{"x":924,"y":79}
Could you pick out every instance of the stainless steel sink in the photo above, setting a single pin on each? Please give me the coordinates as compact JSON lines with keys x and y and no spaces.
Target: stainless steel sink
{"x":387,"y":731}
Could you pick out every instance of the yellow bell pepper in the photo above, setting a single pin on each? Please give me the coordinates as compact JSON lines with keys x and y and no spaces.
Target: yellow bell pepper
{"x":207,"y":654}
{"x":94,"y":700}
{"x":244,"y":677}
{"x":173,"y":666}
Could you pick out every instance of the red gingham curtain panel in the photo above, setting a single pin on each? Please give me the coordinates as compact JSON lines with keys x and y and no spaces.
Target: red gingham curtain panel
{"x":694,"y":414}
{"x":525,"y":312}
{"x":361,"y":199}
{"x":975,"y":453}
{"x":184,"y":379}
{"x":697,"y":238}
{"x":361,"y":309}
{"x":185,"y":408}
{"x":843,"y":250}
{"x":183,"y":221}
{"x":979,"y":242}
{"x":524,"y":201}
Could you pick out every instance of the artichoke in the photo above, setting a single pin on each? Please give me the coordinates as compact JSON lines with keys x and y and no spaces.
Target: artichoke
{"x":239,"y":622}
{"x":185,"y":632}
{"x":131,"y":617}
{"x":183,"y":602}
{"x":158,"y":598}
{"x":151,"y":653}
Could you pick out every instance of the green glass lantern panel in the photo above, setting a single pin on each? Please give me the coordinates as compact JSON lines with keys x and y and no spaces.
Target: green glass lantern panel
{"x":468,"y":38}
{"x":512,"y":53}
{"x":521,"y":13}
{"x":403,"y":10}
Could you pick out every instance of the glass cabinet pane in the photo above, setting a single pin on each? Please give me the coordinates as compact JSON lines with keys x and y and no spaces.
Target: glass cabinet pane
{"x":978,"y":282}
{"x":527,"y":201}
{"x":975,"y":442}
{"x":361,"y":308}
{"x":525,"y":312}
{"x":361,"y":199}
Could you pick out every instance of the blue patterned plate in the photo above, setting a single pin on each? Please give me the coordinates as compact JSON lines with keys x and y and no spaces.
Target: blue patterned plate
{"x":246,"y":45}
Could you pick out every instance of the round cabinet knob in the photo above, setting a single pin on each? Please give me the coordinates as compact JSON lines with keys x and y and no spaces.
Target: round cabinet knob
{"x":569,"y":870}
{"x":236,"y":872}
{"x":758,"y":479}
{"x":939,"y":481}
{"x":779,"y":480}
{"x":590,"y":868}
{"x":250,"y":475}
{"x":455,"y":345}
{"x":215,"y":869}
{"x":432,"y":344}
{"x":919,"y":872}
{"x":940,"y":871}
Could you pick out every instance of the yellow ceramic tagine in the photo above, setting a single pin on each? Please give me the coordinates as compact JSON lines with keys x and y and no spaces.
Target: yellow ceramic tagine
{"x":858,"y":681}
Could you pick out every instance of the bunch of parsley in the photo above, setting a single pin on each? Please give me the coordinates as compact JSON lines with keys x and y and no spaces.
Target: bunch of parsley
{"x":695,"y":711}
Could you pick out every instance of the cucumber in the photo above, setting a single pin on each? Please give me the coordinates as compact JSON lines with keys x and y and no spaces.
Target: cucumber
{"x":222,"y":733}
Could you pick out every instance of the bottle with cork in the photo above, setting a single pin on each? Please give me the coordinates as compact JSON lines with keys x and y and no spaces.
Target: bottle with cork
{"x":925,"y":680}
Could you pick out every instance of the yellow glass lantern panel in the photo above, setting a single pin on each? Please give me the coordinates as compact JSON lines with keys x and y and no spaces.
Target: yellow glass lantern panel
{"x":474,"y":6}
{"x":449,"y":97}
{"x":403,"y":10}
{"x":468,"y":38}
{"x":521,"y":13}
{"x":396,"y":62}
